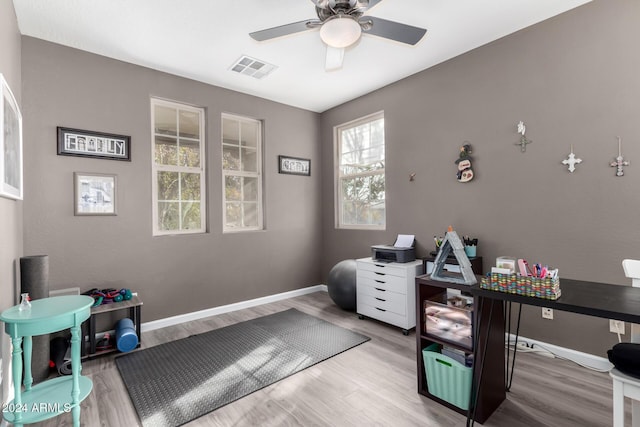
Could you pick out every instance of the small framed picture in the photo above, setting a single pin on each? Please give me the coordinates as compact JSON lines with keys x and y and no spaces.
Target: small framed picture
{"x":84,"y":143}
{"x":294,"y":165}
{"x":10,"y":144}
{"x":94,"y":194}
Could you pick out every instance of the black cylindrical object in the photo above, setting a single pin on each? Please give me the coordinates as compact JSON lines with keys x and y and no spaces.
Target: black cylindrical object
{"x":59,"y":350}
{"x":34,"y":280}
{"x":34,"y":276}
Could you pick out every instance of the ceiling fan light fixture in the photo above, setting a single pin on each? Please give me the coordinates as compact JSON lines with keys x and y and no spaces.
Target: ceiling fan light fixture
{"x":340,"y":32}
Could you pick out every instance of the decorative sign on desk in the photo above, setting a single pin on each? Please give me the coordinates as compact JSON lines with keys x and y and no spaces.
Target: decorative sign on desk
{"x":452,"y":243}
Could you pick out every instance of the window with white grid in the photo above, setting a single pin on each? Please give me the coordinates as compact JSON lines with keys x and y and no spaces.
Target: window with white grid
{"x":241,"y":173}
{"x":360,"y":176}
{"x":178,"y":185}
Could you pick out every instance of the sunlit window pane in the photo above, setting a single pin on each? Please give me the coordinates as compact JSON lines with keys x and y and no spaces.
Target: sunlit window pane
{"x":178,"y":168}
{"x":361,"y":180}
{"x":242,"y":165}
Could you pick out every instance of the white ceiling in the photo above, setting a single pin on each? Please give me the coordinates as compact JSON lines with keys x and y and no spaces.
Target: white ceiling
{"x":201,"y":39}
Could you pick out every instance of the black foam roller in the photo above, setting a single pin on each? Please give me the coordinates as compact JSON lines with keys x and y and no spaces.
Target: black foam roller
{"x":34,"y":279}
{"x":34,"y":276}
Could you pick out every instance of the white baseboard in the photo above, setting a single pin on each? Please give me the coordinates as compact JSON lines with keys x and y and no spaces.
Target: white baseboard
{"x":188,"y":317}
{"x":585,"y":359}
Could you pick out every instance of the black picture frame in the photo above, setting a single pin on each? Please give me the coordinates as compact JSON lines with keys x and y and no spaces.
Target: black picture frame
{"x":294,"y":165}
{"x":97,"y":145}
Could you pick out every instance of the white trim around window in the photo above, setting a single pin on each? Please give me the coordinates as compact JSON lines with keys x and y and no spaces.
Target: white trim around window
{"x":241,"y":145}
{"x":359,"y":184}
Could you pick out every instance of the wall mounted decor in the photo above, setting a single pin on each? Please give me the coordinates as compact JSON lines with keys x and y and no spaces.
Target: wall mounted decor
{"x":571,"y":161}
{"x":294,"y":165}
{"x":77,"y":142}
{"x":619,"y":162}
{"x":523,"y":139}
{"x":465,"y":173}
{"x":10,"y":144}
{"x":94,"y":194}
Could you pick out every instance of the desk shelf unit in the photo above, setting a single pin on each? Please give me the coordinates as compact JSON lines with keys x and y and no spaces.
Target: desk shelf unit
{"x":492,"y":389}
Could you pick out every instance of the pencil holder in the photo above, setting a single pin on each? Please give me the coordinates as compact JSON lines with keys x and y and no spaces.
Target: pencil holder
{"x":529,"y":286}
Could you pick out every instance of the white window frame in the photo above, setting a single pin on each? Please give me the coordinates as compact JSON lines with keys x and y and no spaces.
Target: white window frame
{"x":156,"y":168}
{"x":257,"y":174}
{"x":338,"y":174}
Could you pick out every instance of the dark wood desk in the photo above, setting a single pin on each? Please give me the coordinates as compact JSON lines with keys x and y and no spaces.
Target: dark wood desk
{"x":589,"y":298}
{"x":616,"y":302}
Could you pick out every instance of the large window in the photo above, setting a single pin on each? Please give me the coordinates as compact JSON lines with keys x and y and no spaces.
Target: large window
{"x":178,"y":168}
{"x":360,"y":173}
{"x":241,"y":173}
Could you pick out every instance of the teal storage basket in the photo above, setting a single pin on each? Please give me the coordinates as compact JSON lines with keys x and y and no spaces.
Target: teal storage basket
{"x":446,"y":378}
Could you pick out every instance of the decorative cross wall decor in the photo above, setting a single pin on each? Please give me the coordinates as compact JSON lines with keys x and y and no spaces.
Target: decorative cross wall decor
{"x":572,"y":161}
{"x":523,"y":139}
{"x":619,"y":162}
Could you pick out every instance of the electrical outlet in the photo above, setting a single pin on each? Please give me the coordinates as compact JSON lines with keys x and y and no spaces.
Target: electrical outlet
{"x":616,"y":326}
{"x":547,"y":313}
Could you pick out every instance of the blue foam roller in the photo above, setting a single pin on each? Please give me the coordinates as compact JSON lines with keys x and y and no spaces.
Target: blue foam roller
{"x":126,"y":337}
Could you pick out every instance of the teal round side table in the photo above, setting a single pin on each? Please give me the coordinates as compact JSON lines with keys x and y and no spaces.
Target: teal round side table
{"x":51,"y":397}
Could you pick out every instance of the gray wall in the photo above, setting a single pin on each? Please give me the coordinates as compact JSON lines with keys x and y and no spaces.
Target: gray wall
{"x":573,"y":80}
{"x":173,"y":274}
{"x":10,"y":210}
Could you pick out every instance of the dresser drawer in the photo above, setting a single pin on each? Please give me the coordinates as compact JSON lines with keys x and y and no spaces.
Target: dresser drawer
{"x":382,"y":268}
{"x":382,"y":281}
{"x":388,"y":301}
{"x":386,"y":316}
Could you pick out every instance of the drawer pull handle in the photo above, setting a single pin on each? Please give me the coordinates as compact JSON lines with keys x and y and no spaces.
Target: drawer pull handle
{"x":380,"y":309}
{"x":380,"y":281}
{"x":381,"y":266}
{"x":381,"y":290}
{"x":380,"y":299}
{"x":380,"y":274}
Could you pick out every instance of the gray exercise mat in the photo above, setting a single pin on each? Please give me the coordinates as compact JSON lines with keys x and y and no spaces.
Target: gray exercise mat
{"x":174,"y":383}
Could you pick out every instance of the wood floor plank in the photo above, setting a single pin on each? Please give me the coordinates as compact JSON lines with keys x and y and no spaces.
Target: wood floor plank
{"x":373,"y":384}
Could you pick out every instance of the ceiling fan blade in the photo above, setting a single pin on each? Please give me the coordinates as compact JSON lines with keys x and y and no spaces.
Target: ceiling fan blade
{"x":282,"y":30}
{"x":322,"y":4}
{"x":334,"y":58}
{"x":372,"y":3}
{"x":402,"y":33}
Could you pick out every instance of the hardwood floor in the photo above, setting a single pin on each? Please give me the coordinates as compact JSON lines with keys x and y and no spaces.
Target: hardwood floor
{"x":373,"y":384}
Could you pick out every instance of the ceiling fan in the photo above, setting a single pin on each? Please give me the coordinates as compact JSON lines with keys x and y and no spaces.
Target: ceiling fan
{"x":341,"y":24}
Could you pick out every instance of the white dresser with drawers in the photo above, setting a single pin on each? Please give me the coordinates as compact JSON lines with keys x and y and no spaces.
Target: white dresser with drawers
{"x":386,"y":291}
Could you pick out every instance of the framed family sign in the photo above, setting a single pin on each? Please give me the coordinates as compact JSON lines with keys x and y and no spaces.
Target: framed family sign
{"x":10,"y":144}
{"x":294,"y":165}
{"x":85,"y":143}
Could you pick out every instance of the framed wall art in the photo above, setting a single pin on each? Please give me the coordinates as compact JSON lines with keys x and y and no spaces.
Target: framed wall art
{"x":94,"y":194}
{"x":10,"y":144}
{"x":84,"y":143}
{"x":294,"y":165}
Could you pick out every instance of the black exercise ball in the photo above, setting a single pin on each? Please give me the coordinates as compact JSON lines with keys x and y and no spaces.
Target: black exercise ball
{"x":342,"y":284}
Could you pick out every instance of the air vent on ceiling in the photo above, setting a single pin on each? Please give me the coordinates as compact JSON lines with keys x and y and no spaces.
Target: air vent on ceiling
{"x":252,"y":67}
